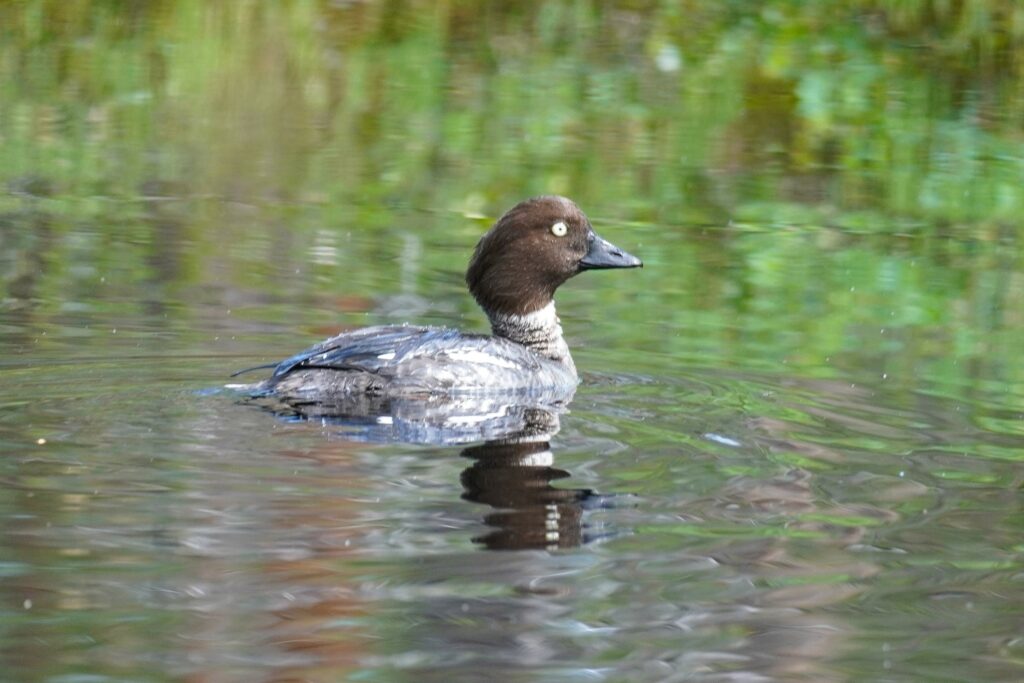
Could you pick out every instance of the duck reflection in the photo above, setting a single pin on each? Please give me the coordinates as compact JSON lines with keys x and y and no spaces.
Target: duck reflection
{"x":431,"y":420}
{"x":512,"y":469}
{"x":514,"y":476}
{"x":515,"y":479}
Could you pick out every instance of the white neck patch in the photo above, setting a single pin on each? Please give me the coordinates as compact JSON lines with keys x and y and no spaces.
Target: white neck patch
{"x":539,"y":331}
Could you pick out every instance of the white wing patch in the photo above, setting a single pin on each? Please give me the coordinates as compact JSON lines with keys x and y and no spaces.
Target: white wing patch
{"x":390,"y":355}
{"x":474,"y":356}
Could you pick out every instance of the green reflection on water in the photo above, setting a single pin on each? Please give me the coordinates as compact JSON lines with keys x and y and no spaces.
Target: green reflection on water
{"x":280,"y":128}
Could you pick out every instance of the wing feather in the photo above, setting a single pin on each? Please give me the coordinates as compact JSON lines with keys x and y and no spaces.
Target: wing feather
{"x":368,"y":349}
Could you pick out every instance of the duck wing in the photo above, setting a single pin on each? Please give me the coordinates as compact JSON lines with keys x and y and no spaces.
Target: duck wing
{"x":369,"y":349}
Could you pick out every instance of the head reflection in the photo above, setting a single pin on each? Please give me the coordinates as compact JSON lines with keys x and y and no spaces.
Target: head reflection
{"x":514,"y":475}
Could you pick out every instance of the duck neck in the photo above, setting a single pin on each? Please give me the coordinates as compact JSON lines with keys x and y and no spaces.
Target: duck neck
{"x":539,"y":331}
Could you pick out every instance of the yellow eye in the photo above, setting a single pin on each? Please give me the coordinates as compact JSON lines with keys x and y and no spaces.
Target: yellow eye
{"x":559,"y":229}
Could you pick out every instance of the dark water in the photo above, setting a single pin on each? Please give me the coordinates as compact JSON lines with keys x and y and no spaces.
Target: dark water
{"x":798,"y":449}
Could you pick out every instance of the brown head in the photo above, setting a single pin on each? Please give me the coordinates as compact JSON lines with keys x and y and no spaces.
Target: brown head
{"x":536,"y":246}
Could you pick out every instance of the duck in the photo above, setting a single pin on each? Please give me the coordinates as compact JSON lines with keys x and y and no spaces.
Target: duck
{"x":515,"y":269}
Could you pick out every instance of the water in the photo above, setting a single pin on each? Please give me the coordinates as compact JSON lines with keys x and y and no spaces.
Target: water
{"x":797,"y":451}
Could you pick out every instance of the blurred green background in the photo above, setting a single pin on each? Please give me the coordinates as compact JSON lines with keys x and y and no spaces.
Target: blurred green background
{"x":859,"y":114}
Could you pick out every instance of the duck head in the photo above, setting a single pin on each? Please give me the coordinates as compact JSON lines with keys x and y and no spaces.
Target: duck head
{"x":531,"y":250}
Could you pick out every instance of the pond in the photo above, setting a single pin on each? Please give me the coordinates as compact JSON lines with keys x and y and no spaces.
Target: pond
{"x":797,"y":450}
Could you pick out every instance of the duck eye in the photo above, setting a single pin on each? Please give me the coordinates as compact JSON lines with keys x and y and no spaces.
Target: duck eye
{"x":559,"y":229}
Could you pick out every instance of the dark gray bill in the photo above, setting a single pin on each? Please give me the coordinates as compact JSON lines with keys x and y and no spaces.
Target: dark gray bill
{"x":604,"y":254}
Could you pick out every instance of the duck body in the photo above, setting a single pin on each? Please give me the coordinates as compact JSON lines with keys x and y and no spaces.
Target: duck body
{"x":410,"y":361}
{"x":517,"y":266}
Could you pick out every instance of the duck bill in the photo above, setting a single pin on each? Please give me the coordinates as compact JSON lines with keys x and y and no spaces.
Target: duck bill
{"x":602,"y":254}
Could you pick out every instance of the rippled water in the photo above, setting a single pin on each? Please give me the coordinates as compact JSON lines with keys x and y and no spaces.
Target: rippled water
{"x":797,"y":453}
{"x":688,"y":521}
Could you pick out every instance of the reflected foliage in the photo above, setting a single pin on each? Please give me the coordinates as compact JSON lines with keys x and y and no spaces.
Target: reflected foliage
{"x":739,"y":141}
{"x":662,"y":111}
